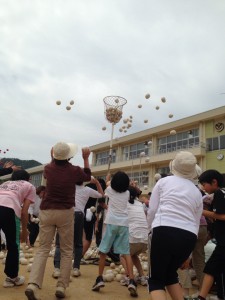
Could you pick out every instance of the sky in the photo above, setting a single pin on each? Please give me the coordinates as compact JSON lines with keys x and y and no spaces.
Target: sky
{"x":85,"y":50}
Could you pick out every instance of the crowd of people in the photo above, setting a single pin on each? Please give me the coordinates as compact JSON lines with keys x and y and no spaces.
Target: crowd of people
{"x":185,"y":209}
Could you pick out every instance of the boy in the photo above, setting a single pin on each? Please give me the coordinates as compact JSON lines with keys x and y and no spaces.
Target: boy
{"x":212,"y":182}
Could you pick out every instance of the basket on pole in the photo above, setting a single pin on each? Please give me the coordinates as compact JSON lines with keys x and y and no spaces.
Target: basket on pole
{"x":113,"y":113}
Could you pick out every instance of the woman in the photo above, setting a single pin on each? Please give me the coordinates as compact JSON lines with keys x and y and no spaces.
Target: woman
{"x":173,"y":218}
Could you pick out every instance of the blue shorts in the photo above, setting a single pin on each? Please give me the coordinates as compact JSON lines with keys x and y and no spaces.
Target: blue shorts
{"x":117,"y":237}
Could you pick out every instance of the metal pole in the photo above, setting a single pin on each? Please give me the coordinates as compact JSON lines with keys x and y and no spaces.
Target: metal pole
{"x":110,"y":148}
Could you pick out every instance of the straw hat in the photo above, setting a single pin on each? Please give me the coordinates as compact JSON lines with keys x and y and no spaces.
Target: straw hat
{"x":64,"y":151}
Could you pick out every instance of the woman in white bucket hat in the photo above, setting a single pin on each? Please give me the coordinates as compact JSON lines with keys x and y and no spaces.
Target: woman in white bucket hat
{"x":173,"y":218}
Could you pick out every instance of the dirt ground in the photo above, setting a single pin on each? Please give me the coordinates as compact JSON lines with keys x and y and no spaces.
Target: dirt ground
{"x":80,"y":288}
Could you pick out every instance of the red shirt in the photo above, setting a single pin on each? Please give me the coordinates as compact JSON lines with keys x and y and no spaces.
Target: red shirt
{"x":61,"y":178}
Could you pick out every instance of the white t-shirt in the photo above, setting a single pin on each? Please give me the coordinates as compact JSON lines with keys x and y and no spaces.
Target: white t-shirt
{"x":13,"y":193}
{"x":82,"y":195}
{"x":175,"y":202}
{"x":138,"y":226}
{"x":34,"y":208}
{"x":117,"y":207}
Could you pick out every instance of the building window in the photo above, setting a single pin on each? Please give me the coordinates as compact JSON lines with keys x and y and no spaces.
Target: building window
{"x":216,"y":143}
{"x":182,"y":140}
{"x":163,"y":170}
{"x":36,"y":179}
{"x":133,"y":151}
{"x":103,"y":158}
{"x":141,"y":178}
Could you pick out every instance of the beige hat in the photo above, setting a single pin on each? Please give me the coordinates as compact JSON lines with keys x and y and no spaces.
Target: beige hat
{"x":64,"y":151}
{"x":184,"y":165}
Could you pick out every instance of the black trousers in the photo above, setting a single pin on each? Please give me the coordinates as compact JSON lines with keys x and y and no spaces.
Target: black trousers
{"x":170,"y":247}
{"x":33,"y":229}
{"x":9,"y":226}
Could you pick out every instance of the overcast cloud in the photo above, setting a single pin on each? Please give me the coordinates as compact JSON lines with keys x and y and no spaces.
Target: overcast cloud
{"x":87,"y":49}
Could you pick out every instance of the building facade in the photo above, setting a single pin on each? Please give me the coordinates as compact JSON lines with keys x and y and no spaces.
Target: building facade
{"x":145,"y":153}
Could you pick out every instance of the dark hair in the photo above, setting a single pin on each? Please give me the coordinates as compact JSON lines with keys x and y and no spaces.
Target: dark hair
{"x":91,"y":185}
{"x":133,"y":193}
{"x":149,"y":194}
{"x":40,"y":189}
{"x":209,"y":175}
{"x":20,"y":175}
{"x":79,"y":183}
{"x":120,"y":182}
{"x":101,"y":200}
{"x":163,"y":175}
{"x":102,"y":182}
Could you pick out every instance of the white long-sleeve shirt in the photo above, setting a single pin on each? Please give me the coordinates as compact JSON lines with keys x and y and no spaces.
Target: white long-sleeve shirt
{"x":82,"y":195}
{"x":175,"y":202}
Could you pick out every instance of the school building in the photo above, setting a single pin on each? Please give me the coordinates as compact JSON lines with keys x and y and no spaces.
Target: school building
{"x":143,"y":154}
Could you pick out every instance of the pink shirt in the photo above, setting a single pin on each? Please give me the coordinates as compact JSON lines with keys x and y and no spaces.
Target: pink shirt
{"x":13,"y":193}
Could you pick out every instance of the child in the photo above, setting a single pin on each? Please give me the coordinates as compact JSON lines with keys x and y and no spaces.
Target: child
{"x":212,"y":182}
{"x":116,"y":232}
{"x":138,"y":235}
{"x":33,"y":224}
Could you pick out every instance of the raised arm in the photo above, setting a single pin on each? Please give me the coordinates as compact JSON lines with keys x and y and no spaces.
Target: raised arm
{"x":85,"y":154}
{"x":98,"y":185}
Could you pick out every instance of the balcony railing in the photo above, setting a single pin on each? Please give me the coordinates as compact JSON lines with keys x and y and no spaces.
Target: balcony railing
{"x":126,"y":157}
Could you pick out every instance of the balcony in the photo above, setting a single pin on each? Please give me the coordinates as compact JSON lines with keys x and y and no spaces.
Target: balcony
{"x":160,"y":155}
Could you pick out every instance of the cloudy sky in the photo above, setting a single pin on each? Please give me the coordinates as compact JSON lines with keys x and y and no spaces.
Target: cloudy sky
{"x":84,"y":50}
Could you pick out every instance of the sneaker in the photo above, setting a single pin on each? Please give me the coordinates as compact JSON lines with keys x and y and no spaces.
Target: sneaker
{"x":9,"y":282}
{"x":56,"y":273}
{"x":132,"y":288}
{"x":195,"y":295}
{"x":124,"y":281}
{"x":142,"y":280}
{"x":60,"y":292}
{"x":76,"y":272}
{"x":83,"y":262}
{"x":30,"y":292}
{"x":99,"y":283}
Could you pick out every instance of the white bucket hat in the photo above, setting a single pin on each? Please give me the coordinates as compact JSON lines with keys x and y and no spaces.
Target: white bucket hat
{"x":64,"y":151}
{"x":184,"y":165}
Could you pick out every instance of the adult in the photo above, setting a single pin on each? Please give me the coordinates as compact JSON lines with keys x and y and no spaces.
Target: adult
{"x":15,"y":197}
{"x":173,"y":218}
{"x":57,"y":212}
{"x":81,"y":197}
